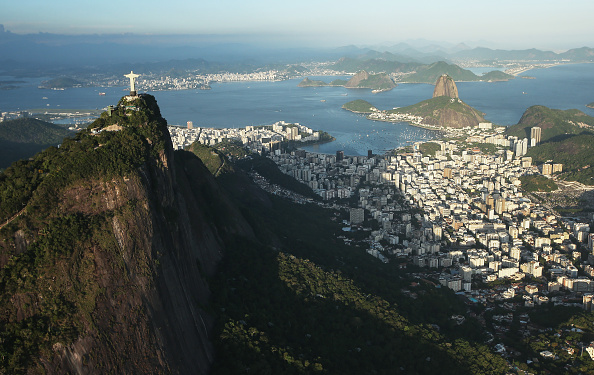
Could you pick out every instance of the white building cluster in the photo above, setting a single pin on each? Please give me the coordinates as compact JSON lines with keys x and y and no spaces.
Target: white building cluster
{"x":269,"y":75}
{"x":255,"y":138}
{"x":472,"y":220}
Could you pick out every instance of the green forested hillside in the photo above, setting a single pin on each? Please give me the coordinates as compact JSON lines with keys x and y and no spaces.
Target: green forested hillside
{"x":575,"y":153}
{"x":556,"y":124}
{"x":315,"y":305}
{"x":532,"y":183}
{"x":49,"y":293}
{"x":22,"y":138}
{"x":567,"y":138}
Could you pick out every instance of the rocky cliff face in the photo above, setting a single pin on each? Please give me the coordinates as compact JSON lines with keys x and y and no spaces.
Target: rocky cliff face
{"x":445,"y":86}
{"x":106,"y":272}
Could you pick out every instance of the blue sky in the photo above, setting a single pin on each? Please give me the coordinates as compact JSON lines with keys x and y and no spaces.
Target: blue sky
{"x":506,"y":23}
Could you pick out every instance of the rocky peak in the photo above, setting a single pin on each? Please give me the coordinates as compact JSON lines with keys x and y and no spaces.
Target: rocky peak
{"x":120,"y":236}
{"x":445,"y":86}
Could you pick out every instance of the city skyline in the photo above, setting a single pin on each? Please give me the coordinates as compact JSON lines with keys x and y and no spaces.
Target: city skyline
{"x":512,"y":25}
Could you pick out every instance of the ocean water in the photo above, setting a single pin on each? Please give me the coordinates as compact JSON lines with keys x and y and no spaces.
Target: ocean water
{"x":239,"y":104}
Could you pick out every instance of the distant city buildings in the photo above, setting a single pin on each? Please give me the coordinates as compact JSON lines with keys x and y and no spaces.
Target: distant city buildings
{"x":474,"y":220}
{"x":256,"y":139}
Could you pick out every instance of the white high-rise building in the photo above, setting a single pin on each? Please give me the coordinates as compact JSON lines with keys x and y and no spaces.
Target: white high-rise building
{"x":535,"y":133}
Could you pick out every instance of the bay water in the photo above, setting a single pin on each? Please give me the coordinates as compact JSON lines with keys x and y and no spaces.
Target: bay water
{"x":239,"y":104}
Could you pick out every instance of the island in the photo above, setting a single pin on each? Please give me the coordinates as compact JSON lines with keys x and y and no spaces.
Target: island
{"x":359,"y":106}
{"x":590,"y":105}
{"x":61,"y":83}
{"x":362,"y":80}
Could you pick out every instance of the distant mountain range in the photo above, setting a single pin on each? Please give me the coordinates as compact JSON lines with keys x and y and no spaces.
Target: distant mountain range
{"x":44,"y":53}
{"x":407,"y":54}
{"x":430,"y":74}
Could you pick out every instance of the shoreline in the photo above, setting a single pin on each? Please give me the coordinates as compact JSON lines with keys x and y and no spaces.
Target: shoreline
{"x":543,"y":66}
{"x":417,"y":125}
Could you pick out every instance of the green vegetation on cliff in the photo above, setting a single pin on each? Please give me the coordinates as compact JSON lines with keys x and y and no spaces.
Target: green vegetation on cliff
{"x":84,"y":229}
{"x":215,"y":158}
{"x":359,"y":106}
{"x":49,"y":294}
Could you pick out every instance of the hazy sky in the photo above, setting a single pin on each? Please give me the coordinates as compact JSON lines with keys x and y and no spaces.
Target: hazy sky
{"x":507,"y":23}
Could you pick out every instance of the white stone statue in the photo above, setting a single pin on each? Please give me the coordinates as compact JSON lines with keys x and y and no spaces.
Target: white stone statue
{"x":132,"y":77}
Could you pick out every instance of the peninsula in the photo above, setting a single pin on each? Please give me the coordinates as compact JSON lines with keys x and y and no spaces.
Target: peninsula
{"x":443,"y":110}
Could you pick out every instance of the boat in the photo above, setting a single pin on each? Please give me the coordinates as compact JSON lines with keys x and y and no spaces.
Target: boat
{"x":101,"y":94}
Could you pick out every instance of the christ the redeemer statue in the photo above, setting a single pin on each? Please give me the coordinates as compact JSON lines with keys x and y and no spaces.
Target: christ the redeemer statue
{"x":132,"y":77}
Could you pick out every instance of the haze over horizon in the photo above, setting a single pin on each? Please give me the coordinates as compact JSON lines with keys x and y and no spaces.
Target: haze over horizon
{"x":549,"y":25}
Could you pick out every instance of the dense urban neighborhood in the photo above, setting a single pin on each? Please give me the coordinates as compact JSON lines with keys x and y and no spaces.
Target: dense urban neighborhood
{"x":454,"y":212}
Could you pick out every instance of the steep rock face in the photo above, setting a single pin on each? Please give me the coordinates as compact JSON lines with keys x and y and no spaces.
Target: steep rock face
{"x":448,"y":117}
{"x":445,"y":86}
{"x":110,"y":275}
